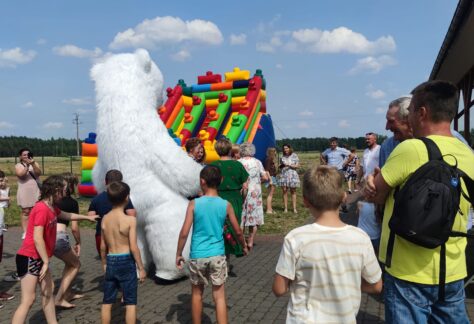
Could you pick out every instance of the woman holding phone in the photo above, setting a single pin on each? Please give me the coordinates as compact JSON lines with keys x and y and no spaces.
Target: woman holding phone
{"x":28,"y":172}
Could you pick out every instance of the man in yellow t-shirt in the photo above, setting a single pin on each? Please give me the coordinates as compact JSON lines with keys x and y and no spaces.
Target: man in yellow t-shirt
{"x":411,"y":282}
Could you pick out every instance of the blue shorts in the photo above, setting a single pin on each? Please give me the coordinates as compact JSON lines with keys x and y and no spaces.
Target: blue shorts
{"x":121,"y":274}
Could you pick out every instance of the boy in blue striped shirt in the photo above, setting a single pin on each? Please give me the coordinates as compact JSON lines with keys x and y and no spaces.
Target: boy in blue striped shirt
{"x":206,"y":215}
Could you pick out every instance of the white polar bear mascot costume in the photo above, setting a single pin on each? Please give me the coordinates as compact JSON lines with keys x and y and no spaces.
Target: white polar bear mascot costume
{"x":133,"y":139}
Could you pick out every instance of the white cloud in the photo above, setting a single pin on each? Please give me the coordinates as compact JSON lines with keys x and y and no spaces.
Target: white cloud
{"x":28,"y":104}
{"x":78,"y":101}
{"x":41,"y":41}
{"x":375,"y":93}
{"x":373,"y":64}
{"x":84,"y":111}
{"x":263,"y":27}
{"x":342,"y":40}
{"x":303,"y":125}
{"x":74,"y":51}
{"x":306,"y":113}
{"x":343,"y":123}
{"x":276,"y":41}
{"x":240,"y":39}
{"x":279,"y":66}
{"x":380,"y":110}
{"x":181,"y":56}
{"x":338,"y":40}
{"x":265,"y":47}
{"x":53,"y":125}
{"x":15,"y":56}
{"x":168,"y":30}
{"x":5,"y":125}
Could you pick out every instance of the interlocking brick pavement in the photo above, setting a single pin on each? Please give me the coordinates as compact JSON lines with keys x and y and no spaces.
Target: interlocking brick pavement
{"x":249,"y":295}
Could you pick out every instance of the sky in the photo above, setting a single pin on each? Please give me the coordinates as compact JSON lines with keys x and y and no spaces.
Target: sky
{"x":331,"y":67}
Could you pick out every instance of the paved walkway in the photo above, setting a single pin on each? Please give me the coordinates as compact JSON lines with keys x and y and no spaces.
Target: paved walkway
{"x":249,"y":295}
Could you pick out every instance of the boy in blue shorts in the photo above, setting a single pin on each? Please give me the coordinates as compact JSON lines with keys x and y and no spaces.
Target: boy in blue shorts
{"x":100,"y":205}
{"x":120,"y":254}
{"x":206,"y":215}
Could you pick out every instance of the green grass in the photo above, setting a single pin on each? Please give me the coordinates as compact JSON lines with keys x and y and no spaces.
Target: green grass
{"x":50,"y":165}
{"x":276,"y":223}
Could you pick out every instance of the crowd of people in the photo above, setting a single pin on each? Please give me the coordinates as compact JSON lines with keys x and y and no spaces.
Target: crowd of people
{"x":49,"y":207}
{"x":324,"y":265}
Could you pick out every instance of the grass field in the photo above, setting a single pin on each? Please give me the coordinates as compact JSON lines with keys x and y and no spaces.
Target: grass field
{"x":276,"y":223}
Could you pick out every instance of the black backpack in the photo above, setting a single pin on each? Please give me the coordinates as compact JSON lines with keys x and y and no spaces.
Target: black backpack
{"x":426,"y":206}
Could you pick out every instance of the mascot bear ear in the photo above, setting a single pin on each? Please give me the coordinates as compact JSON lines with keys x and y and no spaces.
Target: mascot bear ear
{"x":144,"y":59}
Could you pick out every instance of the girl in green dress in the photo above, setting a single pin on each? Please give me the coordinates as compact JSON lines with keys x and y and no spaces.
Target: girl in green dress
{"x":233,"y":188}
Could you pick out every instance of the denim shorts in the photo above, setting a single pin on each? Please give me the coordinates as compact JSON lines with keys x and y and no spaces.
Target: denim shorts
{"x":62,"y":244}
{"x":409,"y":302}
{"x":120,"y":274}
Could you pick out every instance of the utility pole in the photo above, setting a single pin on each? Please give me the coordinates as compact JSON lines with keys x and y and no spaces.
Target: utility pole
{"x":76,"y":122}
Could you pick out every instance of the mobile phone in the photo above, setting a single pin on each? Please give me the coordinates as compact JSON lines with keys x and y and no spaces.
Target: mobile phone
{"x":30,"y":155}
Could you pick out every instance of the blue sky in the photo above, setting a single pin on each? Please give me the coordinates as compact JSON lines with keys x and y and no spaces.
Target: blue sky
{"x":331,"y":67}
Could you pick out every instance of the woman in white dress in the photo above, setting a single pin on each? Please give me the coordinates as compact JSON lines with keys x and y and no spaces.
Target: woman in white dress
{"x":252,"y":211}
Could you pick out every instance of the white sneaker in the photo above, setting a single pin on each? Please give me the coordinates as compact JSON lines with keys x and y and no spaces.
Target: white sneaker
{"x":11,"y":278}
{"x":23,"y":236}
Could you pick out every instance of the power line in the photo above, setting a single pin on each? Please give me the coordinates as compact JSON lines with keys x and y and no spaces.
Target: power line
{"x":76,"y":122}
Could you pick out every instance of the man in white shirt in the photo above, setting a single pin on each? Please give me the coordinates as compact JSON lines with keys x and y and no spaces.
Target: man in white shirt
{"x":334,"y":156}
{"x":370,"y":159}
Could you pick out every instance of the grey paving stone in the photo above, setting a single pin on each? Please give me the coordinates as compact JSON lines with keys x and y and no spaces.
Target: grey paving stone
{"x":249,"y":295}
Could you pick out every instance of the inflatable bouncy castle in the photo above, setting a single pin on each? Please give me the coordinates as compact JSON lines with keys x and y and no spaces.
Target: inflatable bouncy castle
{"x":234,"y":108}
{"x":89,"y":158}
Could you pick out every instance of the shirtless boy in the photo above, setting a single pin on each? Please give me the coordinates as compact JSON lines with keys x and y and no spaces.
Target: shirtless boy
{"x":120,"y":255}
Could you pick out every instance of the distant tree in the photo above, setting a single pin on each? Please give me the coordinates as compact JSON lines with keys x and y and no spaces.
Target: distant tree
{"x":321,"y":143}
{"x":9,"y":146}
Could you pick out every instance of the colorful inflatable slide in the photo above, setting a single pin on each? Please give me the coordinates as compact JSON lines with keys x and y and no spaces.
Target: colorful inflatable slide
{"x":235,"y":108}
{"x":89,"y":157}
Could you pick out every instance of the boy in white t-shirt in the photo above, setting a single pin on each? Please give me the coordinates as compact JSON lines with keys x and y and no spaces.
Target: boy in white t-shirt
{"x":326,"y":264}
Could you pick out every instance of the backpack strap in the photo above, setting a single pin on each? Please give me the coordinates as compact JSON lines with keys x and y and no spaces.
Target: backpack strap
{"x":433,"y":151}
{"x":442,"y":272}
{"x":388,"y":255}
{"x":469,"y":185}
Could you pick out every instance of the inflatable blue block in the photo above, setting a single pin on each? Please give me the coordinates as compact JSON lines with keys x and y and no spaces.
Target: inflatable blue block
{"x":201,"y":88}
{"x":91,"y":138}
{"x":264,"y":138}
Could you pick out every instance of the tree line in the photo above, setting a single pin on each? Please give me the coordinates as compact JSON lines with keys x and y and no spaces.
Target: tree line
{"x":305,"y":144}
{"x":10,"y":145}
